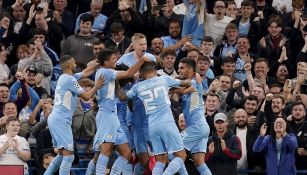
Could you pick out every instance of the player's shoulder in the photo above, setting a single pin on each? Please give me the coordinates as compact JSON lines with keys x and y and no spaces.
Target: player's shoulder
{"x":124,"y":58}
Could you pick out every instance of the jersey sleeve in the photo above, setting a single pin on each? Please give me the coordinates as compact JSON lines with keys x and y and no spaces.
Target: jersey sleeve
{"x":132,"y":92}
{"x":77,"y":75}
{"x":171,"y":82}
{"x":76,"y":88}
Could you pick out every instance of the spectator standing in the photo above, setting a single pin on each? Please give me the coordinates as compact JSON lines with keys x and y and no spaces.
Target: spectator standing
{"x":279,"y":148}
{"x":224,"y":148}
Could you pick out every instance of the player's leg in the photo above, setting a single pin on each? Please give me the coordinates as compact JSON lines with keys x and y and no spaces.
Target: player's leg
{"x":143,"y":163}
{"x":199,"y":162}
{"x":201,"y":134}
{"x":106,"y":150}
{"x":161,"y":160}
{"x":123,"y":162}
{"x":140,"y":147}
{"x":176,"y":163}
{"x":68,"y":158}
{"x":91,"y":167}
{"x":54,"y":165}
{"x":174,"y":144}
{"x":182,"y":170}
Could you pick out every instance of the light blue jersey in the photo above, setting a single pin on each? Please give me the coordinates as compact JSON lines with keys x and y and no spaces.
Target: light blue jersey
{"x":193,"y":105}
{"x":65,"y":102}
{"x":154,"y":94}
{"x":107,"y":122}
{"x":129,"y":60}
{"x":106,"y":94}
{"x":163,"y":134}
{"x":197,"y":132}
{"x":65,"y":97}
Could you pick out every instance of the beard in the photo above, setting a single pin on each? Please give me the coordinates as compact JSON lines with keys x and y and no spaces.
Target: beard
{"x":241,"y":124}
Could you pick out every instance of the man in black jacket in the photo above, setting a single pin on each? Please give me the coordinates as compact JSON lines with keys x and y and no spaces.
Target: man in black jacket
{"x":298,"y":125}
{"x":224,"y":148}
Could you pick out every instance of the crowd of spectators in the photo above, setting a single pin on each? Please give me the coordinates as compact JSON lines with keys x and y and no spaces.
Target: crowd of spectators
{"x":250,"y":54}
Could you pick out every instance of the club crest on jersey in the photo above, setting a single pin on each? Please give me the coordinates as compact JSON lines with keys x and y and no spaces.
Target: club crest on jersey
{"x":109,"y":136}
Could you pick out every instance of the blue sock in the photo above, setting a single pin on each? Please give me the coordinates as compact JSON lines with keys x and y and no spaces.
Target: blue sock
{"x":101,"y":164}
{"x":182,"y":170}
{"x":66,"y":164}
{"x":158,"y":169}
{"x":127,"y":168}
{"x":174,"y":166}
{"x":203,"y":169}
{"x":90,"y":168}
{"x":54,"y":165}
{"x":139,"y":169}
{"x":117,"y":166}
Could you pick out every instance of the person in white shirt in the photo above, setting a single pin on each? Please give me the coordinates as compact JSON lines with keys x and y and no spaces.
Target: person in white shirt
{"x":247,"y":135}
{"x":14,"y":150}
{"x":216,"y":23}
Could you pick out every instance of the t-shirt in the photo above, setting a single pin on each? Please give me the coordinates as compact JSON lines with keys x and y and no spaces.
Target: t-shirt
{"x":242,"y":163}
{"x":9,"y":157}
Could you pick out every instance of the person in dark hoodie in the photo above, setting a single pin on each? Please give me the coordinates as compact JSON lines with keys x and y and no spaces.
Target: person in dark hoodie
{"x":80,"y":45}
{"x":224,"y":148}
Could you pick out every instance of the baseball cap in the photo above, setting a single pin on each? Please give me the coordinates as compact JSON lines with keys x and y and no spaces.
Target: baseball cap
{"x":220,"y":116}
{"x":31,"y":70}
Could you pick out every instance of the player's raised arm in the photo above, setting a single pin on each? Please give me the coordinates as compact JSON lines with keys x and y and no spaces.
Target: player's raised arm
{"x":132,"y":70}
{"x":98,"y":83}
{"x":90,"y":70}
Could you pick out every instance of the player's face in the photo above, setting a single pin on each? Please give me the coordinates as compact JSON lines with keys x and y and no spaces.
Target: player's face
{"x":13,"y":128}
{"x":72,"y":64}
{"x":112,"y":61}
{"x":183,"y":69}
{"x":140,"y":46}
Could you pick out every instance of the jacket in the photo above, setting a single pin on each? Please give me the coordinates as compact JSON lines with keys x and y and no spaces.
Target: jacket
{"x":286,"y":164}
{"x":220,"y":161}
{"x":253,"y":158}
